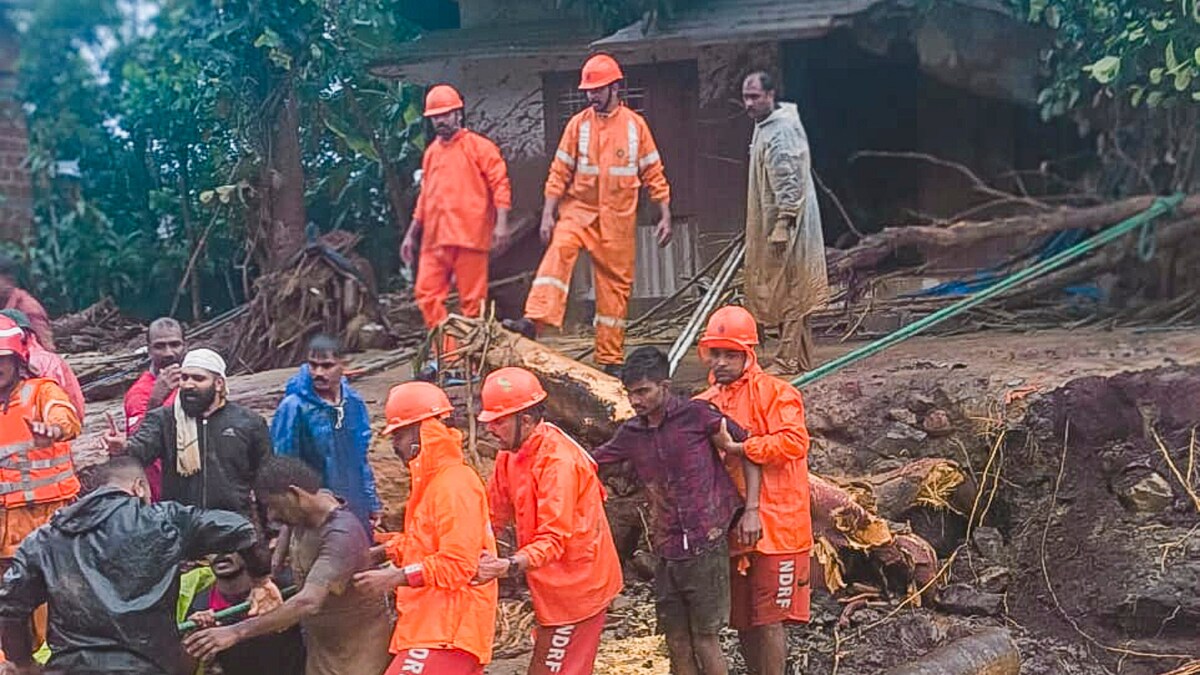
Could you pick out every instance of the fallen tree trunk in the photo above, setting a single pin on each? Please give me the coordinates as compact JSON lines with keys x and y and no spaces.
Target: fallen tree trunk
{"x":988,"y":652}
{"x":1167,"y":236}
{"x":875,"y":248}
{"x":589,"y":404}
{"x":852,"y":542}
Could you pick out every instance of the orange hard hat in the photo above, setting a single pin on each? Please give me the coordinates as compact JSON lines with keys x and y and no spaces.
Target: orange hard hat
{"x":730,"y":327}
{"x":413,"y":402}
{"x":12,"y":340}
{"x":600,"y":70}
{"x":509,"y":390}
{"x":442,"y":99}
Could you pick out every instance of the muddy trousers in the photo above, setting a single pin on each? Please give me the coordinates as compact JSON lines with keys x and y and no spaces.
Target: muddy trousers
{"x":612,"y":262}
{"x":440,"y":265}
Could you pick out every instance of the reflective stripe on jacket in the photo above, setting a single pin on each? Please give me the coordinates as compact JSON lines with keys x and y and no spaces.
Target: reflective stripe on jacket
{"x":601,"y":163}
{"x":29,"y":474}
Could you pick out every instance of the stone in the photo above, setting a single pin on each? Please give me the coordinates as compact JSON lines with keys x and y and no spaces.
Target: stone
{"x":989,"y":542}
{"x":1150,"y":494}
{"x":937,"y":423}
{"x":995,"y":579}
{"x":903,"y":416}
{"x":966,"y":600}
{"x":850,"y":390}
{"x":903,"y":432}
{"x":620,"y":603}
{"x":644,"y":565}
{"x":921,"y":403}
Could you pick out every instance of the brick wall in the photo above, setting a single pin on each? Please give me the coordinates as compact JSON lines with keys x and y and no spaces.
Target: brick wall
{"x":16,"y":203}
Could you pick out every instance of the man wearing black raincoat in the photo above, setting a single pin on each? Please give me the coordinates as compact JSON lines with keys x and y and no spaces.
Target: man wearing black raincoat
{"x":108,"y":567}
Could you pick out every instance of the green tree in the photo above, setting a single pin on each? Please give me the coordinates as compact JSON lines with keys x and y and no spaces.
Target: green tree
{"x":207,"y":135}
{"x":1146,"y":52}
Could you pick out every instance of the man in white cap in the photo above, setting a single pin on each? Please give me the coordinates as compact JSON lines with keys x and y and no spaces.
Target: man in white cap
{"x":211,"y":449}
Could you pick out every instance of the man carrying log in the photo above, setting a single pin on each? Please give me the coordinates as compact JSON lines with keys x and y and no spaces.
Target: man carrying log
{"x":347,"y":629}
{"x":158,"y":386}
{"x":693,"y":503}
{"x":769,"y":585}
{"x":548,"y":485}
{"x":323,"y":421}
{"x":605,"y":155}
{"x":446,"y":623}
{"x":785,"y":249}
{"x":461,"y":213}
{"x":37,"y":475}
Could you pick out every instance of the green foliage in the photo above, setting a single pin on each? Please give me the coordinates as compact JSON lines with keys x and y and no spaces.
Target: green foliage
{"x":166,"y":110}
{"x":1147,"y":51}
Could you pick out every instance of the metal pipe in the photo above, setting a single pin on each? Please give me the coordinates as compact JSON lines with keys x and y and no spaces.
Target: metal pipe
{"x":706,"y":305}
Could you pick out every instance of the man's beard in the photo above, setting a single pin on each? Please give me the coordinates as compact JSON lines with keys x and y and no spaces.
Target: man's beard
{"x":196,"y":401}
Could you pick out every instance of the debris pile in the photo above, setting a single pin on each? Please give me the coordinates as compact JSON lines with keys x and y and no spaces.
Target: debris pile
{"x":324,"y":289}
{"x":98,"y":328}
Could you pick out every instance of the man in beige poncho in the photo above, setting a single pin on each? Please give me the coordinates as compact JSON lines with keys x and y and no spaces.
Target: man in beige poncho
{"x":785,"y":249}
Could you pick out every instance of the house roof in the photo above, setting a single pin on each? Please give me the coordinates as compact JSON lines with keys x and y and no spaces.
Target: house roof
{"x":544,"y":38}
{"x":722,"y":21}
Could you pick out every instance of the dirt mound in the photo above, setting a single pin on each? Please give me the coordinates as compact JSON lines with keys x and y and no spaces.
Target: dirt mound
{"x":1117,"y":552}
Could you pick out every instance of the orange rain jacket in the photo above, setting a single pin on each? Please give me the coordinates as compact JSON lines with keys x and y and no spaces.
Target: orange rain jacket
{"x":601,"y":162}
{"x":463,"y":182}
{"x":446,"y":527}
{"x":772,"y":412}
{"x":551,"y":488}
{"x":29,"y":474}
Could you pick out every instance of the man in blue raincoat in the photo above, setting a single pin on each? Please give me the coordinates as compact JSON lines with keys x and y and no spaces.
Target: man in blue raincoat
{"x":324,"y":422}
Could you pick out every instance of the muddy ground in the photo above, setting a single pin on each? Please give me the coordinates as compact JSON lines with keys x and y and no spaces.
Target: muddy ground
{"x":1117,"y":537}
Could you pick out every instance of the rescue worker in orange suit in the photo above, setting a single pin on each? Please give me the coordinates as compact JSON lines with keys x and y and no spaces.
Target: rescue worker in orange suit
{"x":604,"y":157}
{"x":37,"y":476}
{"x":446,"y":624}
{"x":545,"y":482}
{"x":461,"y":212}
{"x":769,"y":585}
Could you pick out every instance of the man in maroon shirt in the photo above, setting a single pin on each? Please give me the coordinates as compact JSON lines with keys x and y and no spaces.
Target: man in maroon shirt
{"x":693,"y":502}
{"x":157,"y":386}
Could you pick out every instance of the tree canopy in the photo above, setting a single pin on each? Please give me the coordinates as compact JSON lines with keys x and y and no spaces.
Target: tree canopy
{"x":170,"y":139}
{"x":1147,"y":52}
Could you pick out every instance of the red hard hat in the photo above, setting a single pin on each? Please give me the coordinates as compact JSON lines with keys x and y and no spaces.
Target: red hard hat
{"x":730,"y":327}
{"x":442,"y":99}
{"x":12,"y":340}
{"x":507,"y":391}
{"x":600,"y":70}
{"x":413,"y":402}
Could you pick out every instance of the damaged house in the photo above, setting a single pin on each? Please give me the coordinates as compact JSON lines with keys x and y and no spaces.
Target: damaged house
{"x":957,"y":82}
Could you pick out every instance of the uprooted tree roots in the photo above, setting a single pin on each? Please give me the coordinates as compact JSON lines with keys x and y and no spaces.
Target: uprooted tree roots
{"x":325,"y":289}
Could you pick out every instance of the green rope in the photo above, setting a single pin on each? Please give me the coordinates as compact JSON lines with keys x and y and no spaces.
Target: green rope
{"x":1161,"y":206}
{"x":233,"y":611}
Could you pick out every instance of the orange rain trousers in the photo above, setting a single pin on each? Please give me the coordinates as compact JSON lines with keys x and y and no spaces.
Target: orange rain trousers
{"x":551,"y":489}
{"x":468,"y":268}
{"x":772,"y":411}
{"x":612,"y":262}
{"x":601,"y":163}
{"x":446,"y":526}
{"x":464,"y":181}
